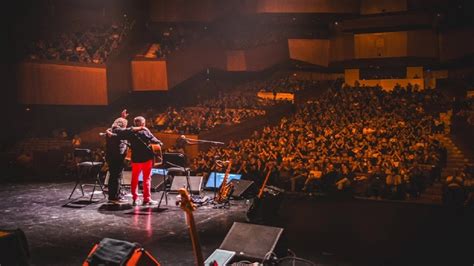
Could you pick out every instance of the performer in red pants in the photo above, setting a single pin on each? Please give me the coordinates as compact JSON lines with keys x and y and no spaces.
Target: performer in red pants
{"x":142,"y":158}
{"x":144,"y":168}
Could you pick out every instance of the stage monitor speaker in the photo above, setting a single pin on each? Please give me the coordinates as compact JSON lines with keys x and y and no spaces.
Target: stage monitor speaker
{"x":251,"y":242}
{"x":157,"y":182}
{"x":243,"y":188}
{"x":118,"y":252}
{"x":195,"y":182}
{"x":13,"y":248}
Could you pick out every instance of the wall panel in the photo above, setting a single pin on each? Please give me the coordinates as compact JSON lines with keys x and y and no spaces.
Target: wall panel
{"x":379,"y":45}
{"x":236,"y":60}
{"x":58,"y":84}
{"x":314,"y":51}
{"x":341,"y":47}
{"x":149,"y":75}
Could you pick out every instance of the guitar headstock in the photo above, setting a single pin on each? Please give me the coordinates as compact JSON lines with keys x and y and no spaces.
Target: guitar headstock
{"x":186,"y":203}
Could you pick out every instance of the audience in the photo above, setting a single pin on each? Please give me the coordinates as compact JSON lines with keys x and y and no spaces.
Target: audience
{"x":233,"y":107}
{"x":376,"y":143}
{"x":92,"y":44}
{"x":173,"y":36}
{"x":193,"y":120}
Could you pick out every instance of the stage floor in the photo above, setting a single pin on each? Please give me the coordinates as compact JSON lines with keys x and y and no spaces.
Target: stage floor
{"x":59,"y":235}
{"x":324,"y":230}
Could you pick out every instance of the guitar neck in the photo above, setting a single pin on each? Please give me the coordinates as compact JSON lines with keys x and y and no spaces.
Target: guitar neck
{"x":260,"y":193}
{"x":195,"y":239}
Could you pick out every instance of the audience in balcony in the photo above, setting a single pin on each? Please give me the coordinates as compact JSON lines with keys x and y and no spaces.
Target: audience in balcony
{"x":230,"y":108}
{"x":91,"y":44}
{"x":193,"y":120}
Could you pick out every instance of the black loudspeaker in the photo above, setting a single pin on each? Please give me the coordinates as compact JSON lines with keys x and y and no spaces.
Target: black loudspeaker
{"x":243,"y":188}
{"x":264,"y":210}
{"x":118,"y":252}
{"x":252,"y":242}
{"x":157,"y":182}
{"x":13,"y":248}
{"x":195,"y":182}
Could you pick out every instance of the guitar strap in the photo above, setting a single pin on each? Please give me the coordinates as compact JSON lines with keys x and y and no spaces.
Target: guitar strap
{"x":144,"y":143}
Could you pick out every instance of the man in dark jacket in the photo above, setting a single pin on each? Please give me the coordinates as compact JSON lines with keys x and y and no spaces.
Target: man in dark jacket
{"x":142,"y":157}
{"x":116,"y":150}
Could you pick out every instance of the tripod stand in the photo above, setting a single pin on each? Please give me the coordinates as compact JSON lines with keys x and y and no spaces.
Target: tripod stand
{"x":177,"y":162}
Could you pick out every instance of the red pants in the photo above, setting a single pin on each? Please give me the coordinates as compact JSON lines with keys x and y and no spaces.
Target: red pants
{"x":136,"y":169}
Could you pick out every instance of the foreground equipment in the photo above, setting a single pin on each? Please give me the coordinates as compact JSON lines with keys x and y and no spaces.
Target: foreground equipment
{"x":188,"y":207}
{"x":118,"y":252}
{"x":252,"y":242}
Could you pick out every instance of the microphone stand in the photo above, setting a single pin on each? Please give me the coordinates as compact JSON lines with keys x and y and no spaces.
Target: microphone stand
{"x":197,"y":141}
{"x":189,"y":141}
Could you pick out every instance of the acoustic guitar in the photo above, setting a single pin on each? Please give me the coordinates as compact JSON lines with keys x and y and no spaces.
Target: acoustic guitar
{"x":157,"y":158}
{"x":188,"y":207}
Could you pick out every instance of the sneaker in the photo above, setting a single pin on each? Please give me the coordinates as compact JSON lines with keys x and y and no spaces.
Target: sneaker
{"x":135,"y":202}
{"x":117,"y":201}
{"x":150,"y":202}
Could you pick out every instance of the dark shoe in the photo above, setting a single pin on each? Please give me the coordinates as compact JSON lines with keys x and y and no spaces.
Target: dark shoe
{"x":150,"y":202}
{"x":135,"y":202}
{"x":117,"y":201}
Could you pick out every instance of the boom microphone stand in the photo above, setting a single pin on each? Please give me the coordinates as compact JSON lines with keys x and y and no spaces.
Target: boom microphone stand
{"x":182,"y":141}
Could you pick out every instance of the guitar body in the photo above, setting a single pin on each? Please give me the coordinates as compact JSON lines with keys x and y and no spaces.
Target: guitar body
{"x":128,"y":156}
{"x":157,"y":158}
{"x":158,"y":155}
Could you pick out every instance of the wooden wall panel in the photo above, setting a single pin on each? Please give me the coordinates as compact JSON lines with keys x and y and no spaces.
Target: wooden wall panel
{"x":149,"y":75}
{"x":341,"y":47}
{"x":380,"y":45}
{"x":414,"y":72}
{"x":351,"y":76}
{"x":314,"y":51}
{"x":236,"y":60}
{"x":307,"y":6}
{"x":58,"y":84}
